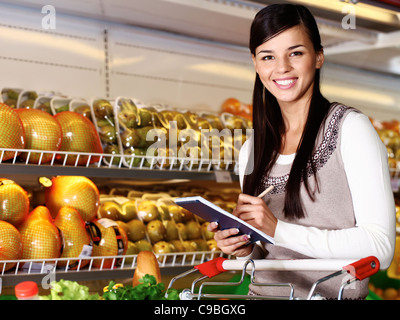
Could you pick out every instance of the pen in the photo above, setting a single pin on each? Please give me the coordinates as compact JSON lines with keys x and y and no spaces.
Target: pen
{"x":262,"y":194}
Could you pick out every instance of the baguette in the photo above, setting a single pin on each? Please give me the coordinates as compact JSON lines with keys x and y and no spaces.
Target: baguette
{"x":147,"y":263}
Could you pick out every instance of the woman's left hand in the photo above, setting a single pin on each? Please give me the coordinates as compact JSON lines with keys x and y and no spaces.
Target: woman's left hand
{"x":255,"y":212}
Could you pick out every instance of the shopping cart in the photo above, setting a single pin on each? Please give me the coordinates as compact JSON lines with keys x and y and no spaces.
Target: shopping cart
{"x":357,"y":269}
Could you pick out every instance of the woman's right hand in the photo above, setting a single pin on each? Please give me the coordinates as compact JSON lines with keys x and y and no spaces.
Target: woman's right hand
{"x":228,"y":243}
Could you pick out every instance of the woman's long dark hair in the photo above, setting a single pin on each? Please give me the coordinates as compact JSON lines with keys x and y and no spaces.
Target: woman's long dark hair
{"x":268,"y":124}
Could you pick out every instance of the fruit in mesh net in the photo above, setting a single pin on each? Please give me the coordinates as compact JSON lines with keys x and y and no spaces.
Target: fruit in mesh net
{"x":10,"y":245}
{"x":77,"y":192}
{"x":40,"y":237}
{"x":14,"y":202}
{"x":12,"y":134}
{"x":75,"y":237}
{"x":42,"y":132}
{"x":79,"y":135}
{"x":110,"y":240}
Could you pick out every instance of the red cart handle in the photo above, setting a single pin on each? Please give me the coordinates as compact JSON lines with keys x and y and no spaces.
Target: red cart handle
{"x":363,"y":268}
{"x":211,"y":268}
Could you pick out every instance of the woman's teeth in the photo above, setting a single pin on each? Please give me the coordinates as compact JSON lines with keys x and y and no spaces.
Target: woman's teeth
{"x":284,"y":82}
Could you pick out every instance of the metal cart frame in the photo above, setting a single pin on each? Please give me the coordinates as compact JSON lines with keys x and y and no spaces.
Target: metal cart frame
{"x":358,"y":269}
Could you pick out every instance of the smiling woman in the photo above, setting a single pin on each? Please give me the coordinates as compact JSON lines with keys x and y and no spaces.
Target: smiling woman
{"x":326,"y":202}
{"x":288,"y":72}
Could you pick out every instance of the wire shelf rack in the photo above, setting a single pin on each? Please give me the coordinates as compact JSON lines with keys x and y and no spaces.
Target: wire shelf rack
{"x":93,"y":267}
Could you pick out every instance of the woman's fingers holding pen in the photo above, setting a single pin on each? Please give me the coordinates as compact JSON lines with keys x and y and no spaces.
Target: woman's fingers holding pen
{"x":255,"y":211}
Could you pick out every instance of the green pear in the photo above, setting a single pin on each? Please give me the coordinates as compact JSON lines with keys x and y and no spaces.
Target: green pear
{"x":143,"y":245}
{"x":110,"y":210}
{"x":136,"y":230}
{"x":193,"y":230}
{"x":171,"y":230}
{"x":132,"y":249}
{"x":147,"y":210}
{"x":128,"y":211}
{"x":156,"y":231}
{"x":182,"y":231}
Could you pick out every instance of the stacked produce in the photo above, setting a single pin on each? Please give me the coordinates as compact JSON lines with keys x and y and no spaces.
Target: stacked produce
{"x":73,"y":221}
{"x":133,"y":134}
{"x":32,"y":128}
{"x":238,"y":108}
{"x":104,"y":120}
{"x":389,"y":132}
{"x":58,"y":228}
{"x":158,"y":225}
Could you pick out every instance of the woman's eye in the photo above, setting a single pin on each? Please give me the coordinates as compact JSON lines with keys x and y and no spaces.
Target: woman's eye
{"x":296,"y":53}
{"x":268,"y":58}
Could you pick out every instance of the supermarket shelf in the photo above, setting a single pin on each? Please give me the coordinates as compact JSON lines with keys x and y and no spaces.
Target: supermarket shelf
{"x":45,"y":270}
{"x":156,"y":168}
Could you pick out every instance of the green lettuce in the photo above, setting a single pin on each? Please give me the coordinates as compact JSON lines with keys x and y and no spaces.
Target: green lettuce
{"x":69,"y":290}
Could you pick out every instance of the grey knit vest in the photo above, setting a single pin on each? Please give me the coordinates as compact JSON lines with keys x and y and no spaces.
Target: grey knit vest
{"x":331,"y":209}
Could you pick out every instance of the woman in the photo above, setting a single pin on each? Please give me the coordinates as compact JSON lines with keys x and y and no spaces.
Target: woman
{"x":332,"y":195}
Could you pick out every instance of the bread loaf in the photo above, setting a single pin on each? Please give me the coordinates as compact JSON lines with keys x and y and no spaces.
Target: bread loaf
{"x":146,"y":263}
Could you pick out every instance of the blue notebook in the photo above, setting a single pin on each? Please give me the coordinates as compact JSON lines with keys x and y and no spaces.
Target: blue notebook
{"x":212,"y":213}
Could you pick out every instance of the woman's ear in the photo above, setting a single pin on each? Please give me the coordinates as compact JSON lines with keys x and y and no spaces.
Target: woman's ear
{"x":320,"y":59}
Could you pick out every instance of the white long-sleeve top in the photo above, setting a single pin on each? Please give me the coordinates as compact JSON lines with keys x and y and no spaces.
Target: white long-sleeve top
{"x":374,"y":233}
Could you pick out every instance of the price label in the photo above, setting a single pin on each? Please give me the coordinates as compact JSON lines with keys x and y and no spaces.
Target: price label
{"x":223,"y":176}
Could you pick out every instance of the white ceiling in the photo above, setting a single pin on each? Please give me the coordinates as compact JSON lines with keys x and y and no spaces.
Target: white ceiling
{"x":373,"y":45}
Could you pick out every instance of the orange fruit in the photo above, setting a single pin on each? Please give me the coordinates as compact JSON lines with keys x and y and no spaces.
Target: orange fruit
{"x":10,"y":244}
{"x":77,"y":192}
{"x":14,"y":202}
{"x":112,"y":240}
{"x":40,"y":237}
{"x":74,"y":235}
{"x":42,"y":132}
{"x":12,"y":134}
{"x":79,"y":135}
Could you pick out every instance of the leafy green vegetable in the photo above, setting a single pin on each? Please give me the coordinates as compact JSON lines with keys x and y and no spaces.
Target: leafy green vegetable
{"x":148,"y":289}
{"x":69,"y":290}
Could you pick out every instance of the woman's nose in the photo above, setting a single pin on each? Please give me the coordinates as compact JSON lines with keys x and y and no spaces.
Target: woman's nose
{"x":283,"y":65}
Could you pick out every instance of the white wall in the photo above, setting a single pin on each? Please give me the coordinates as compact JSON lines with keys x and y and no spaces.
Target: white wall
{"x":89,"y":58}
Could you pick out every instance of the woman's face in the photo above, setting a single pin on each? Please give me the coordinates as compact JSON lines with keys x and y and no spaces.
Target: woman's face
{"x":286,"y":65}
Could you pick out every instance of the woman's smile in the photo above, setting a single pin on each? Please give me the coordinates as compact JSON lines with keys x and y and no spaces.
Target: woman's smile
{"x":285,"y":84}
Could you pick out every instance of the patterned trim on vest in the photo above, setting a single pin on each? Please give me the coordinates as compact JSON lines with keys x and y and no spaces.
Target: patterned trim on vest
{"x":322,"y":154}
